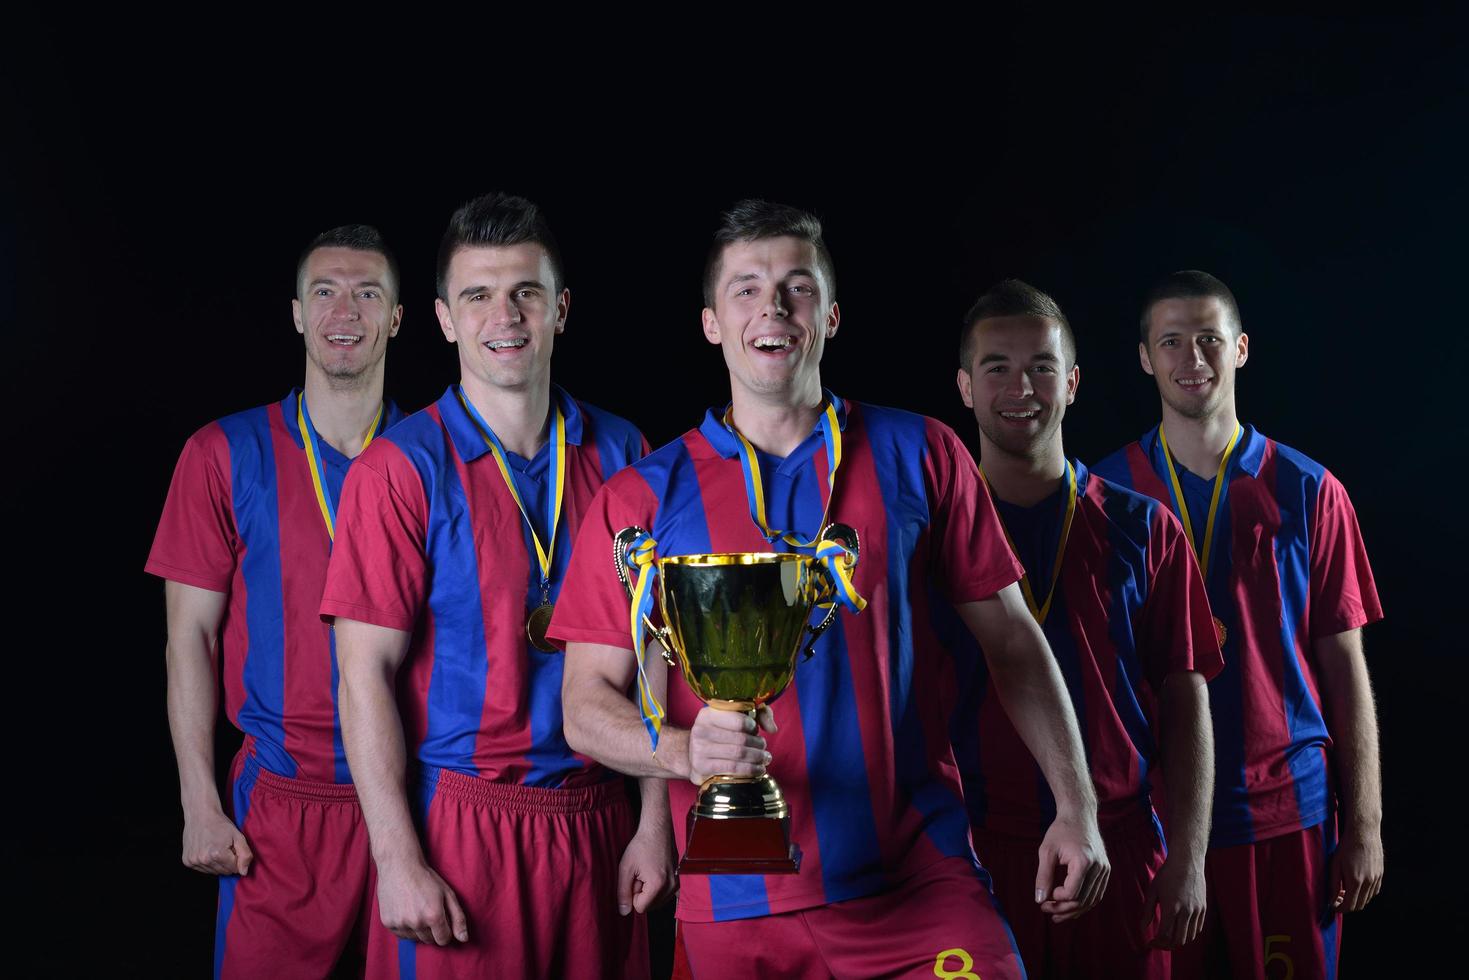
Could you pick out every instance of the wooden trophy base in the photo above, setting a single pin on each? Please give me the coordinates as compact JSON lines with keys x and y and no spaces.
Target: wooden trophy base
{"x":739,"y":846}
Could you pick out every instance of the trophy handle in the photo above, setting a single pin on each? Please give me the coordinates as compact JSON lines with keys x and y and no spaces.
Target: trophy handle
{"x":621,"y":541}
{"x":847,"y":535}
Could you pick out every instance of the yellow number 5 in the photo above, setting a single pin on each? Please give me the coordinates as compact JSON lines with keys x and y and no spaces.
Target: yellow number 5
{"x":1290,"y":964}
{"x":966,"y":966}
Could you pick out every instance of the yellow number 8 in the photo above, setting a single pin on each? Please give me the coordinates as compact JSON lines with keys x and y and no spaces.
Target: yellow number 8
{"x":966,"y":966}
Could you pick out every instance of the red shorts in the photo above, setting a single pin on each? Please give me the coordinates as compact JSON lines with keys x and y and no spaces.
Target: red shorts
{"x":942,"y":923}
{"x":306,"y":901}
{"x":1105,"y":942}
{"x":1268,"y":911}
{"x":535,"y":871}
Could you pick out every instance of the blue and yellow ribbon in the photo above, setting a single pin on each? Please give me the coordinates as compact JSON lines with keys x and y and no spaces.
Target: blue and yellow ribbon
{"x":544,"y":553}
{"x":313,"y":460}
{"x":1041,"y":611}
{"x":836,"y":557}
{"x":642,"y":560}
{"x":1181,"y":505}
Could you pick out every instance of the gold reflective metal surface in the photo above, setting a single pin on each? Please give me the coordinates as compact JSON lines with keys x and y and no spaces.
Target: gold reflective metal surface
{"x":736,"y":621}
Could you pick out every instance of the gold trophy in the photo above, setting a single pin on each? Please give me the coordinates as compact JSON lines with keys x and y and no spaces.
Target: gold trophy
{"x":736,"y":622}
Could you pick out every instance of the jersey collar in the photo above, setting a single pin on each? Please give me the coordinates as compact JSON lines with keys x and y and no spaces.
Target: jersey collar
{"x":392,"y":414}
{"x":727,"y":446}
{"x":1248,"y":455}
{"x":465,"y":434}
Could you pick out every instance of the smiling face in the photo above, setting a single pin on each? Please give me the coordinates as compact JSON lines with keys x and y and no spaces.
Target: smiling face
{"x":504,"y":312}
{"x":346,"y":310}
{"x":1018,"y":384}
{"x":1194,"y":348}
{"x":772,"y":316}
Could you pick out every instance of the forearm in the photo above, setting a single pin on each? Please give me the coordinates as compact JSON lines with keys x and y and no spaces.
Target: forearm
{"x":191,"y":710}
{"x":600,"y":720}
{"x":1187,"y":758}
{"x":1351,"y":716}
{"x":194,"y":616}
{"x":372,"y":733}
{"x":1034,"y":697}
{"x":655,"y":815}
{"x":1033,"y":693}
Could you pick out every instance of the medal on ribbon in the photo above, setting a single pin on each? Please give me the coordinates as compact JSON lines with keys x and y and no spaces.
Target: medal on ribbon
{"x":538,"y":621}
{"x":1180,"y":505}
{"x":836,"y":557}
{"x":313,"y":460}
{"x":1042,"y":610}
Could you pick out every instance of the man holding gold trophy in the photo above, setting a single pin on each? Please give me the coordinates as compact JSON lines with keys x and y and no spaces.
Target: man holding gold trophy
{"x":789,"y":498}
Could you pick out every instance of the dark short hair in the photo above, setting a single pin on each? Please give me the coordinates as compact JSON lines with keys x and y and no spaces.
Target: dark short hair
{"x":1011,"y":297}
{"x":753,"y":220}
{"x":1190,"y":284}
{"x":362,"y":238}
{"x":497,"y":220}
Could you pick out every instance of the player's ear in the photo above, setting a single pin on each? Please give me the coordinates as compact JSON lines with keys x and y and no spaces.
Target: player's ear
{"x":563,"y":306}
{"x":1143,"y":359}
{"x":1073,"y":381}
{"x":966,"y":388}
{"x":1242,"y":350}
{"x":711,"y":326}
{"x":446,"y":322}
{"x":833,"y":320}
{"x":296,"y":317}
{"x":396,"y":321}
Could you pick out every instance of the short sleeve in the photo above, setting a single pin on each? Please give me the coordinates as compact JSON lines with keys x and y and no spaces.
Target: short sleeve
{"x":379,"y":568}
{"x":592,"y":606}
{"x":1176,"y":629}
{"x":197,"y":542}
{"x":1343,"y":593}
{"x":972,"y":559}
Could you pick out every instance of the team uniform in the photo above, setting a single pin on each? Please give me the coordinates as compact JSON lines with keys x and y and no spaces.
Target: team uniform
{"x":526,"y":832}
{"x":863,"y":753}
{"x":1288,"y":567}
{"x":1128,"y":609}
{"x":243,"y":518}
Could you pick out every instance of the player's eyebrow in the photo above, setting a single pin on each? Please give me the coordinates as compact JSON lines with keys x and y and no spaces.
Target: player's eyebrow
{"x":742,"y":277}
{"x":799,"y":272}
{"x":361,"y":283}
{"x":993,"y":358}
{"x":1045,"y":355}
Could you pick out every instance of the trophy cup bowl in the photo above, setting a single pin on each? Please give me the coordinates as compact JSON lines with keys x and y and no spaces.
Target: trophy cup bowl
{"x":735,"y":622}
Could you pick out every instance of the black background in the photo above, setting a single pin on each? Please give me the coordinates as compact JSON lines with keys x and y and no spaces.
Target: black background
{"x":162,"y":190}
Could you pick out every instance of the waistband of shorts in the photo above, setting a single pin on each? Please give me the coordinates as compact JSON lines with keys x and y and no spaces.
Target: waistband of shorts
{"x":308,"y":790}
{"x":526,"y":799}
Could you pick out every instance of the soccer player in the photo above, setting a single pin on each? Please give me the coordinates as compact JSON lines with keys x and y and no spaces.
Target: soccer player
{"x":498,"y":850}
{"x":888,"y":884}
{"x":1295,"y":729}
{"x":1111,"y":580}
{"x":243,"y":546}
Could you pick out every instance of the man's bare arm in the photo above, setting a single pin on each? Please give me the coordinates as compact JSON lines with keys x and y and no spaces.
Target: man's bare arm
{"x":414,"y":902}
{"x":601,"y":721}
{"x":1033,"y":694}
{"x":1351,"y":717}
{"x":212,"y":843}
{"x":1187,"y":756}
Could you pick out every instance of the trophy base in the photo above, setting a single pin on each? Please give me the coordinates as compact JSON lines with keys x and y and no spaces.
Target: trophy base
{"x":740,"y":826}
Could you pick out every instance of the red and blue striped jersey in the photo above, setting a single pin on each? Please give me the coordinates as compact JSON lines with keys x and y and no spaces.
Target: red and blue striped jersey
{"x":1129,"y":610}
{"x":1288,"y":567}
{"x":431,"y":542}
{"x":863,"y":753}
{"x":242,"y":518}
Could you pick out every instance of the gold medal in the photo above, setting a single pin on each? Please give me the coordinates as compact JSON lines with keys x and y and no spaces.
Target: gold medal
{"x":539,"y":622}
{"x":1220,"y":631}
